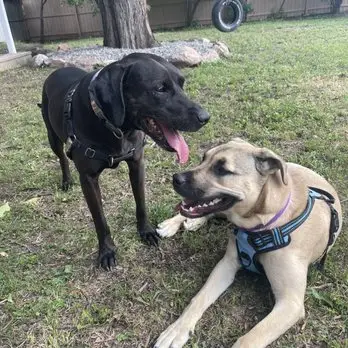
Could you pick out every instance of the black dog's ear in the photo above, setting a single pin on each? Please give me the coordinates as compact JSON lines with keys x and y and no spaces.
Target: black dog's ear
{"x":267,"y":162}
{"x":106,"y":89}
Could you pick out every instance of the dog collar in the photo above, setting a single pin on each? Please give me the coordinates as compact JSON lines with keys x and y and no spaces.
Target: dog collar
{"x":117,"y":132}
{"x":250,"y":244}
{"x":261,"y":227}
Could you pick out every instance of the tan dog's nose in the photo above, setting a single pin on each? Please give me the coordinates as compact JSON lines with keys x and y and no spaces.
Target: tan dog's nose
{"x":179,"y":179}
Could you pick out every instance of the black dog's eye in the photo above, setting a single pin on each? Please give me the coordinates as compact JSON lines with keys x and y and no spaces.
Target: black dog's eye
{"x":220,"y":170}
{"x":161,"y":88}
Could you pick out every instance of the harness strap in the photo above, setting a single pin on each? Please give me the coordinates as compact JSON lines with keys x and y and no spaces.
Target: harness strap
{"x":334,"y":222}
{"x":67,"y":112}
{"x":250,"y":244}
{"x":117,"y":132}
{"x":90,"y":152}
{"x":95,"y":154}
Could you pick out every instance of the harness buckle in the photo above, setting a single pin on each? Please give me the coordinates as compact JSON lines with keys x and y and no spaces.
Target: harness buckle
{"x":257,"y":240}
{"x":90,"y":153}
{"x":117,"y":133}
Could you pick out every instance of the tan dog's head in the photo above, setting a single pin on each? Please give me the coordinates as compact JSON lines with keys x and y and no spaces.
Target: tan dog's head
{"x":230,"y":176}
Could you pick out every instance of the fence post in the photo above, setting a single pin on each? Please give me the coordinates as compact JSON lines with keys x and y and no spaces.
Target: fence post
{"x":78,"y":22}
{"x":6,"y":28}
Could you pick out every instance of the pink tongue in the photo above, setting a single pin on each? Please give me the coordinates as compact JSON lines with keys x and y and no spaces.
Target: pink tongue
{"x":177,"y":142}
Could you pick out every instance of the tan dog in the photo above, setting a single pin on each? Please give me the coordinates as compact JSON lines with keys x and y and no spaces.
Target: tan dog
{"x":254,"y":189}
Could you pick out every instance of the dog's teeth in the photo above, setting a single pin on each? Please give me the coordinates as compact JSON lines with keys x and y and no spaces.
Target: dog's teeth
{"x":191,"y":209}
{"x":205,"y":205}
{"x":211,"y":203}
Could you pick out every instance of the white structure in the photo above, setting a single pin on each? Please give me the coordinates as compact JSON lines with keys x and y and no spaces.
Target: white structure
{"x":5,"y":31}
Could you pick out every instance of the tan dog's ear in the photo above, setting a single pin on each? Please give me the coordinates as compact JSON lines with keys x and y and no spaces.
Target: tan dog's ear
{"x":267,"y":162}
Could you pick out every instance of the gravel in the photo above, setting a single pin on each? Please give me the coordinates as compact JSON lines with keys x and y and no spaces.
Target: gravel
{"x":100,"y":54}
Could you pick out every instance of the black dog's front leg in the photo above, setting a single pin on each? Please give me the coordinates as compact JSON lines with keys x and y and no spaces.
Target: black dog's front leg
{"x":91,"y":191}
{"x":137,"y":179}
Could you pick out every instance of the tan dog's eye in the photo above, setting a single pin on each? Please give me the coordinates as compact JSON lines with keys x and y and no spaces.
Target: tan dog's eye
{"x":219,"y":169}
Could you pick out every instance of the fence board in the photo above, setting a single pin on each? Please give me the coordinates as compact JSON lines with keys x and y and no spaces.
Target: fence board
{"x":63,"y":21}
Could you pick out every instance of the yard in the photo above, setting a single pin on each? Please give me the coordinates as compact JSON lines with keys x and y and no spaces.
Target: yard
{"x":285,"y":86}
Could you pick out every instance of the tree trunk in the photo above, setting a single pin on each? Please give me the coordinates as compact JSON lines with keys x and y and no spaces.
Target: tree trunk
{"x":125,"y":23}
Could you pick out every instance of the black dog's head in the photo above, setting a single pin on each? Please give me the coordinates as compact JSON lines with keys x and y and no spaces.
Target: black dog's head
{"x":146,"y":92}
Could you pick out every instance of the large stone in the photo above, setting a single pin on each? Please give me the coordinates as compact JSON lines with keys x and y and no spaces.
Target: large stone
{"x":185,"y":57}
{"x":63,"y":47}
{"x":61,"y":63}
{"x":210,"y":56}
{"x":221,"y":49}
{"x":40,"y":50}
{"x":40,"y":60}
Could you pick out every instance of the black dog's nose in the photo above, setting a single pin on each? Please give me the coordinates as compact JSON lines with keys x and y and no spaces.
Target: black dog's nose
{"x":203,"y":116}
{"x":178,"y":179}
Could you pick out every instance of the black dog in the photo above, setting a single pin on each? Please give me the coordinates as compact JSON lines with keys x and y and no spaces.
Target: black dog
{"x":104,"y":115}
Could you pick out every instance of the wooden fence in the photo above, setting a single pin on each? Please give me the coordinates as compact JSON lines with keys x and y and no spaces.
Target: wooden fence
{"x":62,"y":21}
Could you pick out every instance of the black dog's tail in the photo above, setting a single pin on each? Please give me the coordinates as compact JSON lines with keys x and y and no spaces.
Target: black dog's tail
{"x":39,"y":105}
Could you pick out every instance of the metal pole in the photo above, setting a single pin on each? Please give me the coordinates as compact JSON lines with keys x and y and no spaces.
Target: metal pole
{"x":6,"y":28}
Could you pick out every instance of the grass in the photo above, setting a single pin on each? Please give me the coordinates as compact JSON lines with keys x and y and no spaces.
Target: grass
{"x":285,"y":86}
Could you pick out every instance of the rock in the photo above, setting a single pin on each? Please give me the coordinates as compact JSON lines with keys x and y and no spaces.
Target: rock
{"x":39,"y":50}
{"x":63,"y":47}
{"x":58,"y":63}
{"x":185,"y":56}
{"x":210,"y":56}
{"x":221,"y":49}
{"x":61,"y":63}
{"x":204,"y":40}
{"x":40,"y":60}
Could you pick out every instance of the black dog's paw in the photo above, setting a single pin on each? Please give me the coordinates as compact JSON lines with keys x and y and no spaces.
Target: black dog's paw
{"x":150,"y":236}
{"x":66,"y":185}
{"x":107,"y":258}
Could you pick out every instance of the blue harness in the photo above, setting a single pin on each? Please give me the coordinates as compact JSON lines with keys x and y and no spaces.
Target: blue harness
{"x":250,"y":244}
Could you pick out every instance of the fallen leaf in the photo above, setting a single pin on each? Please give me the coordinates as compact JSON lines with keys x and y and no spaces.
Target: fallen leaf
{"x":3,"y":209}
{"x":32,"y":201}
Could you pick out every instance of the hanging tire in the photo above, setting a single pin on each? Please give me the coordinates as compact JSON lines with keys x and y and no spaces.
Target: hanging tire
{"x":227,"y":15}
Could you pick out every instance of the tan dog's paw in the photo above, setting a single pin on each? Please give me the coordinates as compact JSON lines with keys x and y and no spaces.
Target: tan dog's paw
{"x":169,"y":227}
{"x":175,"y":336}
{"x":195,"y":224}
{"x":242,"y":343}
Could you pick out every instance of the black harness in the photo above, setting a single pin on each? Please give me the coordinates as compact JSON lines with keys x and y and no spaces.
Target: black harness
{"x":90,"y":152}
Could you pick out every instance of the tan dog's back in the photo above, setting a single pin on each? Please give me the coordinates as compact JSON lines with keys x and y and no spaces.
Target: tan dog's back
{"x":312,"y":238}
